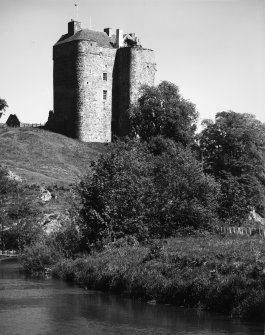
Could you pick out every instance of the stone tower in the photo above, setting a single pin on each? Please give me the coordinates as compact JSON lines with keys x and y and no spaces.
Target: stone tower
{"x":96,"y":77}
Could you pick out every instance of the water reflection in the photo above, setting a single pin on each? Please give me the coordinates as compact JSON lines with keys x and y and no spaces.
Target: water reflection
{"x":31,"y":306}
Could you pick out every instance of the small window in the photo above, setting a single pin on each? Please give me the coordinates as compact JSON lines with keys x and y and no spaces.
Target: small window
{"x":105,"y":77}
{"x":104,"y":95}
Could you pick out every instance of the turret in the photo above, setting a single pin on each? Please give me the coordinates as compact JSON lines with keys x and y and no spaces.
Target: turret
{"x":73,"y":27}
{"x":119,"y":38}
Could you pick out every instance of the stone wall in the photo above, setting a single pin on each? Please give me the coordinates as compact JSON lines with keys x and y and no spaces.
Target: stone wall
{"x":120,"y":91}
{"x":133,"y":68}
{"x":65,"y":89}
{"x":142,"y":71}
{"x":80,"y":110}
{"x":94,"y":112}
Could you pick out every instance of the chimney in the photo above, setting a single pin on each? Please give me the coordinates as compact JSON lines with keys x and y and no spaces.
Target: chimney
{"x":119,"y":38}
{"x":108,"y":31}
{"x":73,"y":27}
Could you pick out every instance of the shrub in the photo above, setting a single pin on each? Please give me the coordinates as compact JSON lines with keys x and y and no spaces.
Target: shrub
{"x":184,"y":272}
{"x":39,"y":257}
{"x":146,"y":191}
{"x":68,"y":238}
{"x":253,"y":306}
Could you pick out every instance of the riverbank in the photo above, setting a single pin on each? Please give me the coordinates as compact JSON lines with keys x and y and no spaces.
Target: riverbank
{"x":5,"y":258}
{"x":55,"y":307}
{"x":222,"y":274}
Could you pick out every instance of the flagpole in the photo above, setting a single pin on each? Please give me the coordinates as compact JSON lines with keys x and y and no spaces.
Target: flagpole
{"x":76,"y":5}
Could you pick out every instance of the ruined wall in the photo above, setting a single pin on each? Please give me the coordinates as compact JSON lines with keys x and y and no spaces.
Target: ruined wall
{"x":79,"y":108}
{"x":133,"y":68}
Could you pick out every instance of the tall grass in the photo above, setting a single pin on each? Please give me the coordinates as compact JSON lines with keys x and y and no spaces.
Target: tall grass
{"x":223,"y":274}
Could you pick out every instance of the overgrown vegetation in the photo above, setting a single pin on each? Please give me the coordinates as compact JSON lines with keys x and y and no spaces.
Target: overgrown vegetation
{"x":146,"y":190}
{"x":162,"y":111}
{"x":3,"y":106}
{"x":232,"y":150}
{"x":19,"y":214}
{"x":213,"y":273}
{"x":145,"y":212}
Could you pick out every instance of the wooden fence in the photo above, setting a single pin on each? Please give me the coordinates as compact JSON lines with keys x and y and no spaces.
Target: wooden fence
{"x":23,"y":125}
{"x":248,"y":231}
{"x":8,"y":253}
{"x":31,"y":125}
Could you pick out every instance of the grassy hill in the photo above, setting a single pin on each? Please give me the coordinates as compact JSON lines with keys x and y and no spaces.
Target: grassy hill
{"x":43,"y":157}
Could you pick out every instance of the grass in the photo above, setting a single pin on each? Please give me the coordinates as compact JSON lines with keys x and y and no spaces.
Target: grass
{"x":43,"y":157}
{"x":222,"y":274}
{"x":46,"y":159}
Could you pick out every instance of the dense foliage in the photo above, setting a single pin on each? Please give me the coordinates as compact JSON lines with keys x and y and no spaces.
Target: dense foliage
{"x":233,"y":150}
{"x":145,"y":193}
{"x":146,"y":190}
{"x":162,"y":111}
{"x":3,"y":106}
{"x":18,"y":214}
{"x":212,"y":272}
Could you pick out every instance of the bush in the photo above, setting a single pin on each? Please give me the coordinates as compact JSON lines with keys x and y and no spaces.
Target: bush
{"x":68,"y":238}
{"x":147,"y":191}
{"x":19,"y":213}
{"x":253,"y":306}
{"x":39,"y":257}
{"x":181,"y":271}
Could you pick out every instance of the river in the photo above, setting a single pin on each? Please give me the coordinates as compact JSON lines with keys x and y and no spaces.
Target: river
{"x":48,"y":307}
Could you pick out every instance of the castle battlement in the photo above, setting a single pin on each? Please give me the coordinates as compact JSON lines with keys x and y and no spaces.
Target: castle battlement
{"x":97,"y":75}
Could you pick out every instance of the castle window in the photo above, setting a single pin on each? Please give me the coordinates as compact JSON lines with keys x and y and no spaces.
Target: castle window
{"x":105,"y":77}
{"x":104,"y":95}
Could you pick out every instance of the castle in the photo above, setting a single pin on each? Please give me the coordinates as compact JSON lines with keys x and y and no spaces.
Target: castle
{"x":96,"y":76}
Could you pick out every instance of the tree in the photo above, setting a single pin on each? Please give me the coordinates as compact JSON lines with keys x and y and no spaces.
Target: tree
{"x":18,"y":214}
{"x":145,"y":190}
{"x":7,"y":188}
{"x":232,"y":150}
{"x":161,"y":111}
{"x":3,"y":106}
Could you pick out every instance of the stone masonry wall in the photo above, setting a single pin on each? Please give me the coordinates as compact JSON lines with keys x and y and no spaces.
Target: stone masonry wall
{"x":142,"y":71}
{"x":94,"y":112}
{"x":65,"y":89}
{"x":133,"y":68}
{"x":80,"y":110}
{"x":120,"y":90}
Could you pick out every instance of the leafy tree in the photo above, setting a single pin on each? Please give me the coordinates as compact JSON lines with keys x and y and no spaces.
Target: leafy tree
{"x":68,"y":238}
{"x":24,"y":228}
{"x":114,"y":199}
{"x":18,"y":214}
{"x":161,"y":111}
{"x":3,"y":106}
{"x":7,"y":189}
{"x":145,"y":190}
{"x":232,"y":150}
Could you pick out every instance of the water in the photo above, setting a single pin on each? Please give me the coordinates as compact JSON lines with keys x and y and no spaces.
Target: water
{"x":46,"y":307}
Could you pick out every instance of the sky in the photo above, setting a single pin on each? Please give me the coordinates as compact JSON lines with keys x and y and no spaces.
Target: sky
{"x":213,"y":50}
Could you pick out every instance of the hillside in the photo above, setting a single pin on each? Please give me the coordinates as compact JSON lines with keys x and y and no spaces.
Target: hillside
{"x":42,"y":157}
